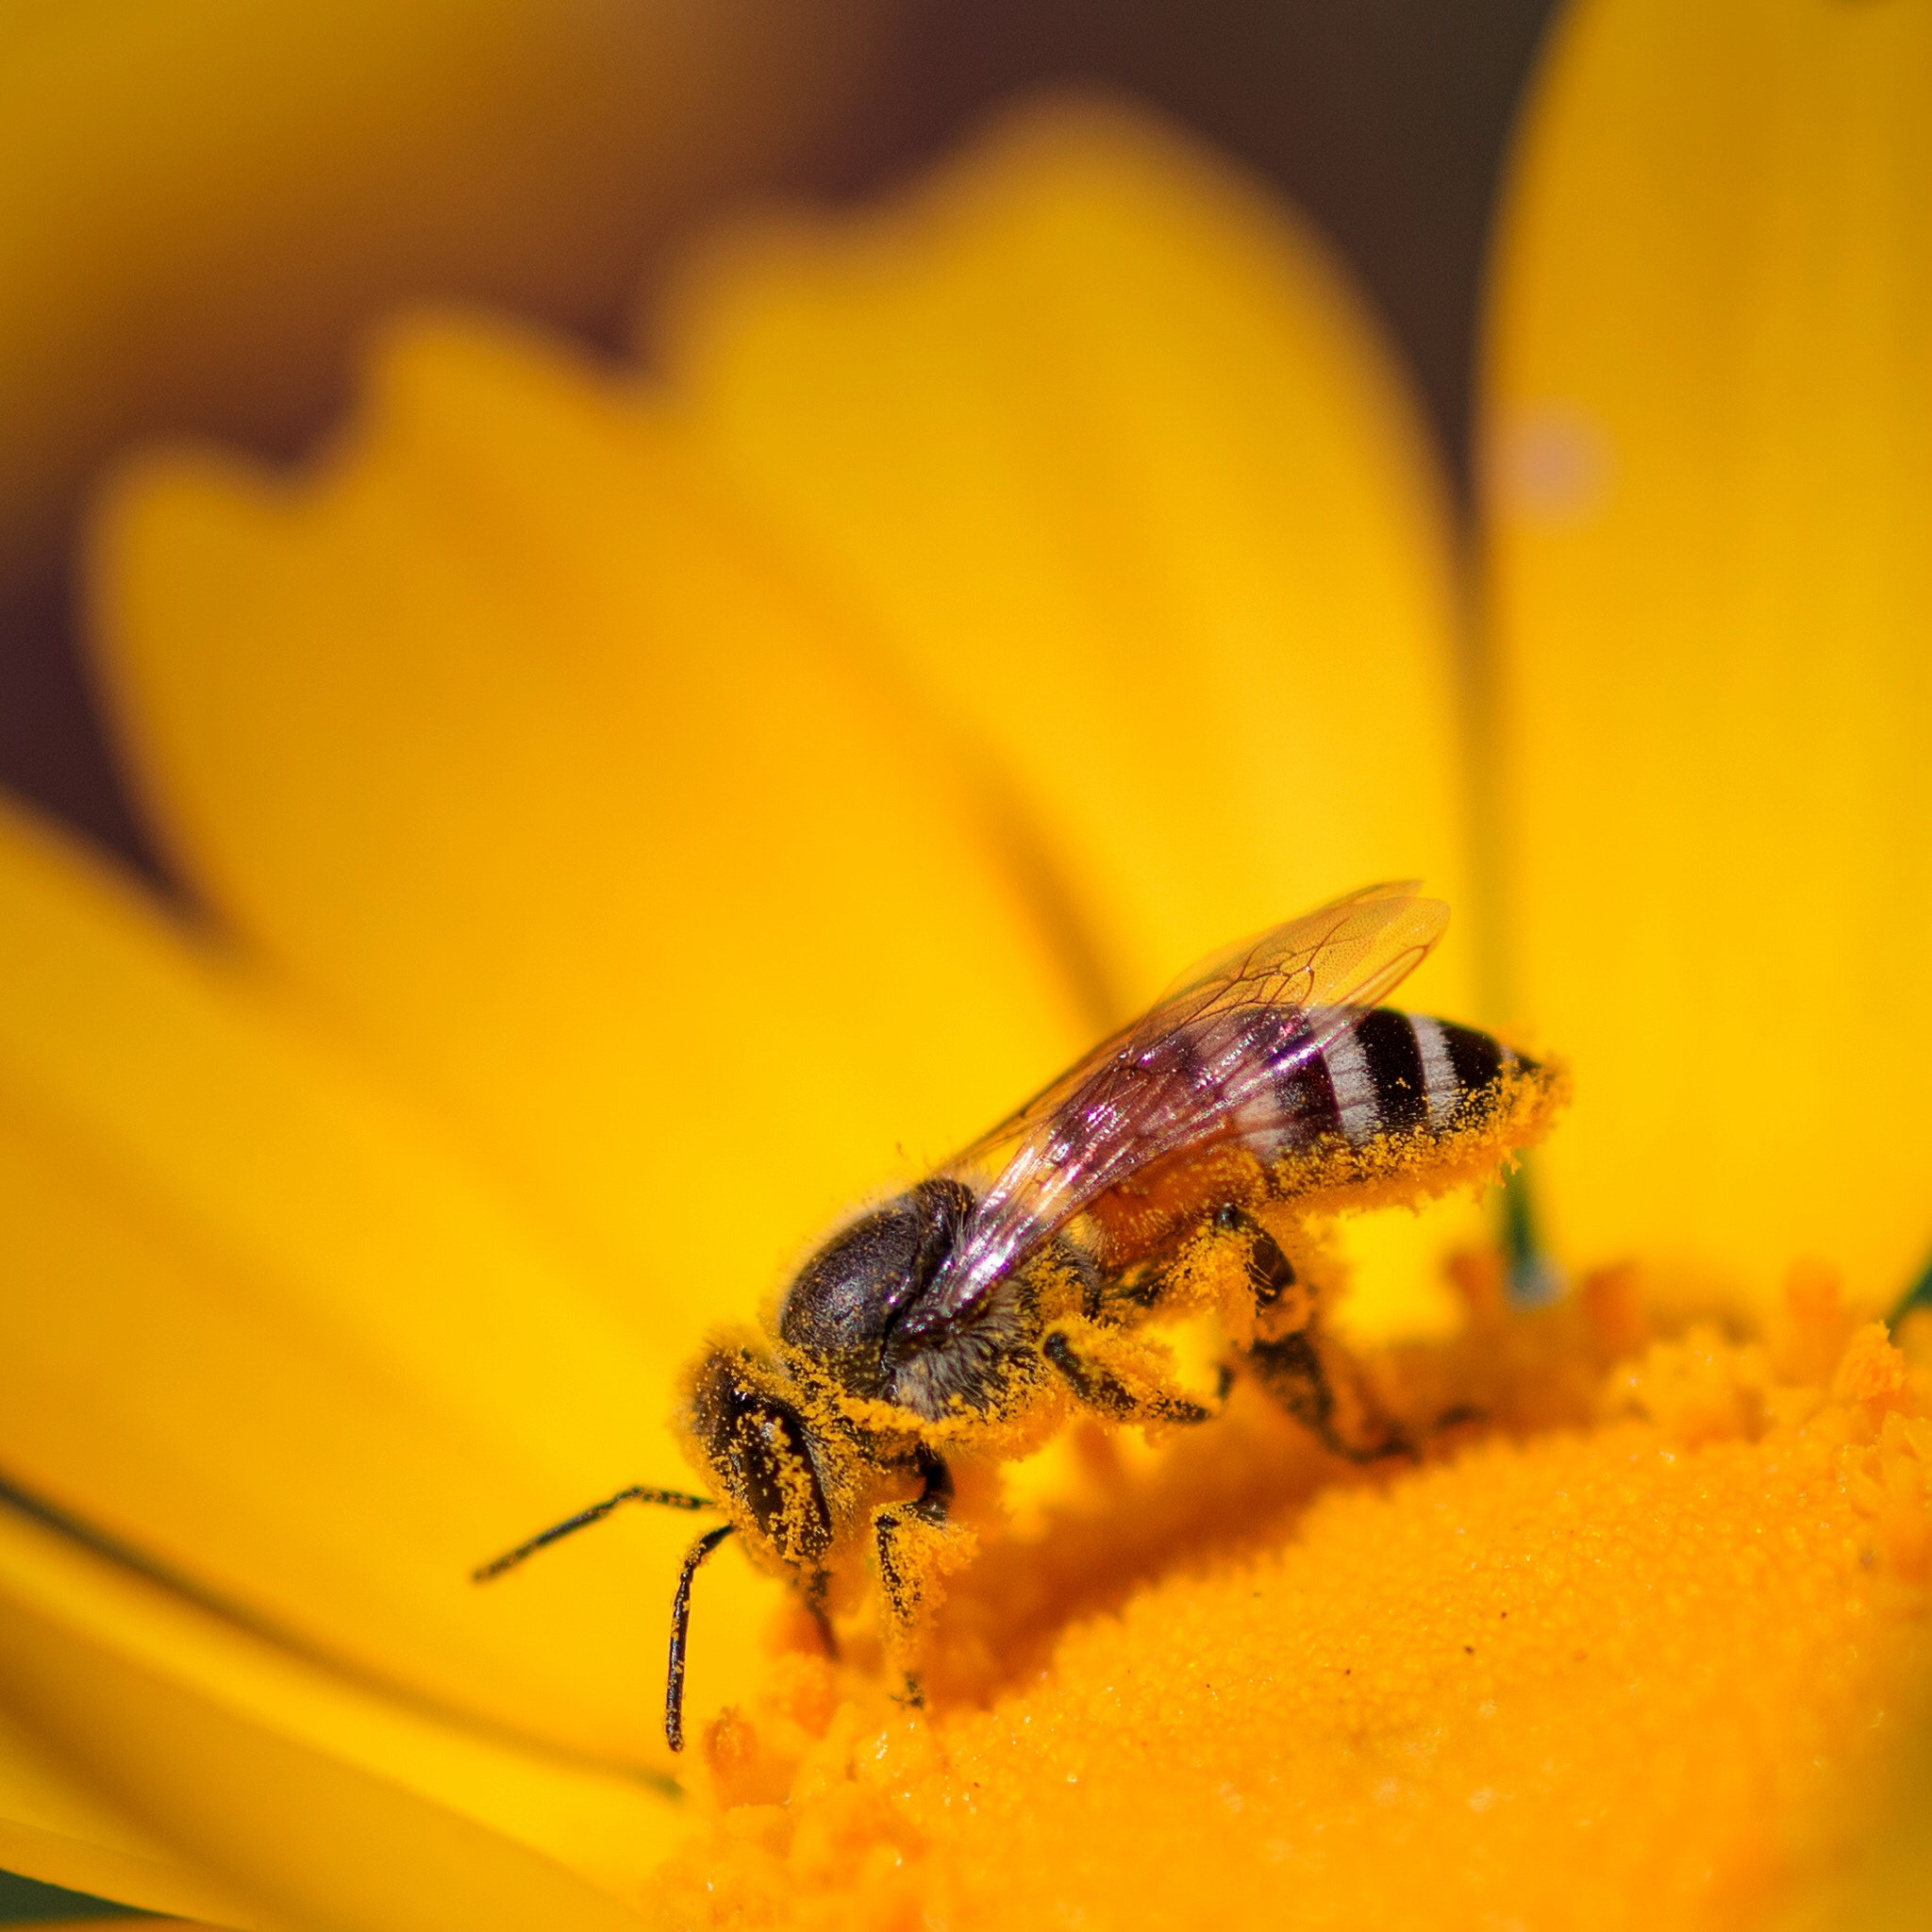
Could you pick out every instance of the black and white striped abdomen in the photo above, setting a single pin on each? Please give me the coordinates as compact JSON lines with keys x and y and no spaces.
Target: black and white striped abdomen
{"x":1391,"y":1073}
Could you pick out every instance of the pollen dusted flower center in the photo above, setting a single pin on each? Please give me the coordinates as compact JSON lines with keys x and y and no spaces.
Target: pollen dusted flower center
{"x":1454,"y":1693}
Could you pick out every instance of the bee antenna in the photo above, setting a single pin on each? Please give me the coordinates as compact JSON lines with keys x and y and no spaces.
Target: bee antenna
{"x":680,"y":1627}
{"x":667,"y":1499}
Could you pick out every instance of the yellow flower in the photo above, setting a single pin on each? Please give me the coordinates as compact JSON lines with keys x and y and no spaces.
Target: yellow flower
{"x":638,"y":817}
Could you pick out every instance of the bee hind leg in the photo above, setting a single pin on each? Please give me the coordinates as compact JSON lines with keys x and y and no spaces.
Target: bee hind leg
{"x":1294,"y":1372}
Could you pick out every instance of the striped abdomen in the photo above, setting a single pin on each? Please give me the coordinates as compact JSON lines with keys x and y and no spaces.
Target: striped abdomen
{"x":1123,"y":1138}
{"x":1391,"y":1073}
{"x":1379,"y":1073}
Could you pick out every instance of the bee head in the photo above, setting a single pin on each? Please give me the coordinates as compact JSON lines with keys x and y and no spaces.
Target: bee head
{"x":842,"y":1306}
{"x":750,"y":1435}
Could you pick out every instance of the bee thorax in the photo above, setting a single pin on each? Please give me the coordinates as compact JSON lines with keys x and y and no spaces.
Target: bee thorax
{"x":842,"y":1307}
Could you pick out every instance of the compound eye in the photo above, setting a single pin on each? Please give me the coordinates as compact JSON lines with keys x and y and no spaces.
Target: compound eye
{"x":760,"y":1450}
{"x":773,"y":1459}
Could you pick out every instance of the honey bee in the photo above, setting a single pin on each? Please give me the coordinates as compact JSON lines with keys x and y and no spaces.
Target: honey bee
{"x":1177,"y":1168}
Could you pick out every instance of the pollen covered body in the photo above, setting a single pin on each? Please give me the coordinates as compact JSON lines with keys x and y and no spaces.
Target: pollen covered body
{"x":1187,"y":1166}
{"x":1184,"y":1167}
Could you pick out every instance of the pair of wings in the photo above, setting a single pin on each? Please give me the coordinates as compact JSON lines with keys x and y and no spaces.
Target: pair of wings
{"x":1119,"y":1108}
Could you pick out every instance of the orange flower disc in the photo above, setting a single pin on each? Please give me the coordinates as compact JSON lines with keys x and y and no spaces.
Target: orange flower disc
{"x":1550,"y":1680}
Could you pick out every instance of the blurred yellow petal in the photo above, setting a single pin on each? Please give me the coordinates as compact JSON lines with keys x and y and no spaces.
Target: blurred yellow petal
{"x":267,"y":1328}
{"x":330,"y":1806}
{"x":1122,"y":468}
{"x":57,"y":1828}
{"x":1709,"y":468}
{"x":1119,"y":462}
{"x":512,"y":741}
{"x":200,"y":199}
{"x":108,"y":1921}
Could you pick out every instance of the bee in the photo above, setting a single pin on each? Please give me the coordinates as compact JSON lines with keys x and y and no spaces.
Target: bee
{"x":1178,"y":1168}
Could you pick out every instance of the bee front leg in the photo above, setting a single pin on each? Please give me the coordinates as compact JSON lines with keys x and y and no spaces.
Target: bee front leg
{"x":812,"y":1593}
{"x":916,"y":1543}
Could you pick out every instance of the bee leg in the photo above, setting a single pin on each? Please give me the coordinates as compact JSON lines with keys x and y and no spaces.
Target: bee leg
{"x":1099,"y":1387}
{"x":813,"y":1592}
{"x":1270,"y":1271}
{"x":904,"y":1581}
{"x":1294,"y":1373}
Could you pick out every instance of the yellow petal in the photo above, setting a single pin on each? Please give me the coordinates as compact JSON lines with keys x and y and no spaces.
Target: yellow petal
{"x":515,"y":743}
{"x":266,"y":1327}
{"x":329,"y":1805}
{"x":57,"y":1828}
{"x":107,"y":1921}
{"x":1119,"y":462}
{"x":201,"y":199}
{"x":1710,"y":457}
{"x":1122,"y":468}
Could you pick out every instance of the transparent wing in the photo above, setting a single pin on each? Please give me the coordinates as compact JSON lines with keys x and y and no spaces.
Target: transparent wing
{"x":1224,"y":1034}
